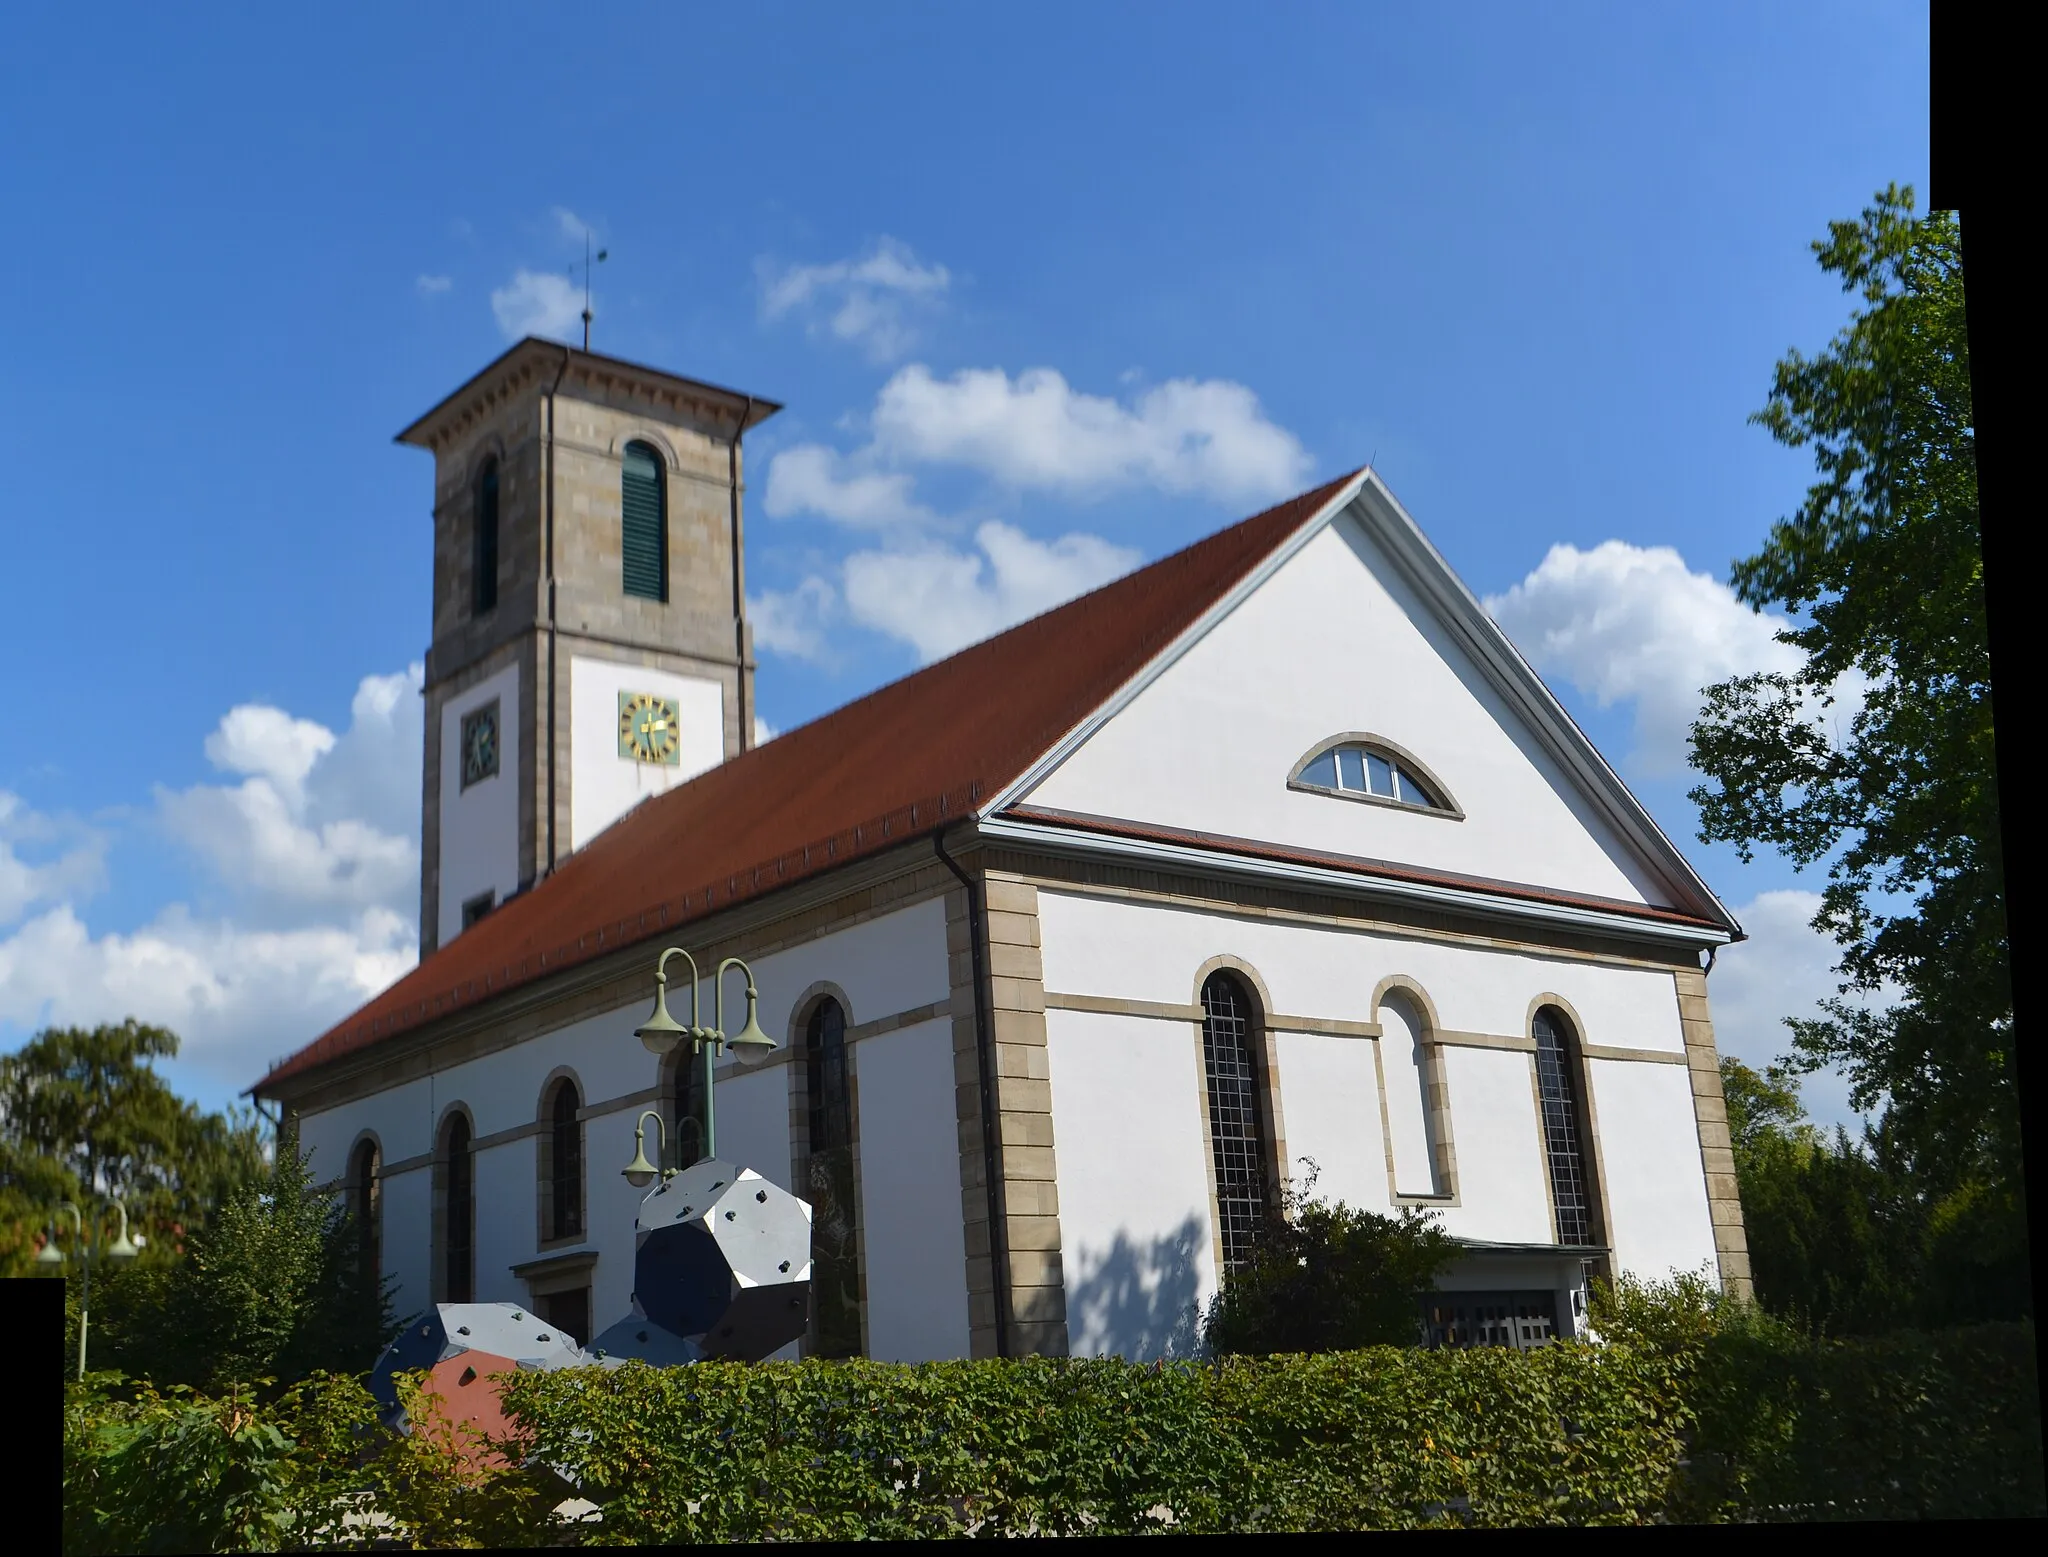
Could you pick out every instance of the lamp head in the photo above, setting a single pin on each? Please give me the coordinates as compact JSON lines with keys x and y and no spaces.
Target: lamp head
{"x":750,"y":1046}
{"x":639,"y":1172}
{"x":660,"y":1032}
{"x":50,"y":1254}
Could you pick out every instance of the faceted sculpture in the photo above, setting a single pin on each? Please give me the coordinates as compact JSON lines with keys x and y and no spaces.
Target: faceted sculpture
{"x":639,"y":1339}
{"x":723,"y":1261}
{"x":462,"y":1345}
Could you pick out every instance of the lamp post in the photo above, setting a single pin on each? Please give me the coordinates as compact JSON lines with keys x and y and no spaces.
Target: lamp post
{"x":120,"y":1251}
{"x":662,"y":1032}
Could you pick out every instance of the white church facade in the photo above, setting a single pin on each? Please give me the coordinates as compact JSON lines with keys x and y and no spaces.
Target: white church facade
{"x":1076,"y":946}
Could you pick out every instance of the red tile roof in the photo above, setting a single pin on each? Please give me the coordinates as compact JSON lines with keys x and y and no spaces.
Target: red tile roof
{"x":914,"y":756}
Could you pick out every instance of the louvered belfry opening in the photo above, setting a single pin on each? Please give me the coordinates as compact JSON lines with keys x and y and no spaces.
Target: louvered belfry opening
{"x":484,"y":562}
{"x":1570,"y":1186}
{"x":644,"y":542}
{"x":828,"y":1176}
{"x":1237,"y":1133}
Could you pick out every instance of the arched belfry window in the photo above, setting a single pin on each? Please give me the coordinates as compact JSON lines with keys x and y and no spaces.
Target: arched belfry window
{"x":1237,"y":1126}
{"x":644,"y":541}
{"x":828,"y":1178}
{"x":1564,"y":1127}
{"x":458,"y":1210}
{"x":484,"y":556}
{"x":563,"y":1163}
{"x":364,"y":1196}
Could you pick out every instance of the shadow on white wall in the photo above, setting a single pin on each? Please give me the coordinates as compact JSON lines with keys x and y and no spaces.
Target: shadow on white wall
{"x":1139,"y":1301}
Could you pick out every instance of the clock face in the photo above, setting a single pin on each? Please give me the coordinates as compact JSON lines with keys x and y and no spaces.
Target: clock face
{"x":647,"y":729}
{"x":480,"y":744}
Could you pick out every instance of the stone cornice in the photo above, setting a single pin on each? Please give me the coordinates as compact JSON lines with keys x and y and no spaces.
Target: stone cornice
{"x":533,"y":362}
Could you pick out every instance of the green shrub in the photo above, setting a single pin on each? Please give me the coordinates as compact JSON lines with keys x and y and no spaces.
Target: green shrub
{"x":1911,"y":1425}
{"x":1693,"y":1409}
{"x":1327,"y":1277}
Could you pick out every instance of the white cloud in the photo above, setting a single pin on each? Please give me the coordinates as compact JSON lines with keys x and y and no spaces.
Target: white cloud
{"x":1208,"y":437}
{"x":321,"y":821}
{"x":317,"y":848}
{"x":764,"y":732}
{"x":240,"y":998}
{"x":1630,"y":624}
{"x":793,"y":622}
{"x":572,"y":226}
{"x":538,"y":302}
{"x":938,"y":600}
{"x":1785,"y":969}
{"x":813,"y":479}
{"x":867,"y":302}
{"x":433,"y":286}
{"x":75,"y":868}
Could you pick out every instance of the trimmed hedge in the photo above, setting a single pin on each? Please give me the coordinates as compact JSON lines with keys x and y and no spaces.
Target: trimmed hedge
{"x":1743,"y":1423}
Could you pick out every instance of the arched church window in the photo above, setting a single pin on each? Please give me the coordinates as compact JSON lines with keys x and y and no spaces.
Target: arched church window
{"x":365,"y":1195}
{"x":645,"y":536}
{"x":682,"y":1091}
{"x":458,"y":1210}
{"x":564,"y":1164}
{"x":829,"y":1180}
{"x":484,"y":559}
{"x":1372,"y":770}
{"x":1571,"y":1185}
{"x":1237,"y":1128}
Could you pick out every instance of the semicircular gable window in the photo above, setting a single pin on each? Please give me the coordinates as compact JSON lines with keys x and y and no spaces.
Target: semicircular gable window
{"x":1365,"y":770}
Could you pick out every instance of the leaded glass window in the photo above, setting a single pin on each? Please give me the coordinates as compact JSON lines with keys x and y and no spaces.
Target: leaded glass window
{"x":828,"y":1176}
{"x":1237,"y":1134}
{"x":458,"y":1228}
{"x":363,"y":1196}
{"x":565,"y":1163}
{"x":1570,"y":1186}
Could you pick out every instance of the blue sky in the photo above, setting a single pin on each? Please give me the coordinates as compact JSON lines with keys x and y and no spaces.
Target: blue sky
{"x":1045,"y":292}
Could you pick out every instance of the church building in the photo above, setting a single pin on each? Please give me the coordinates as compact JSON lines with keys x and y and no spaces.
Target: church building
{"x":1076,"y":947}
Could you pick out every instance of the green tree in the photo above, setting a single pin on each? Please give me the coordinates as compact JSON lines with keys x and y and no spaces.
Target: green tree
{"x":1884,"y":562}
{"x":1836,"y":1239}
{"x":84,"y":1116}
{"x":1327,"y":1277}
{"x":275,"y":1285}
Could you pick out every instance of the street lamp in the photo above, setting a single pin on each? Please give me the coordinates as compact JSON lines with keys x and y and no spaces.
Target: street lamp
{"x":662,"y":1032}
{"x":640,"y":1172}
{"x":120,"y":1251}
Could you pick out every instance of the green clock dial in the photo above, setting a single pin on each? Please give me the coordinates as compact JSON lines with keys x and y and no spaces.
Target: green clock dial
{"x":647,"y":729}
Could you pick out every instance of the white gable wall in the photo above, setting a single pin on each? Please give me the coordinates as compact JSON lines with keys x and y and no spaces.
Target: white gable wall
{"x":1336,"y":641}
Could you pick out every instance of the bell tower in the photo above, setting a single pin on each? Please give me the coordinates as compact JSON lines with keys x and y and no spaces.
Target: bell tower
{"x":590,"y":642}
